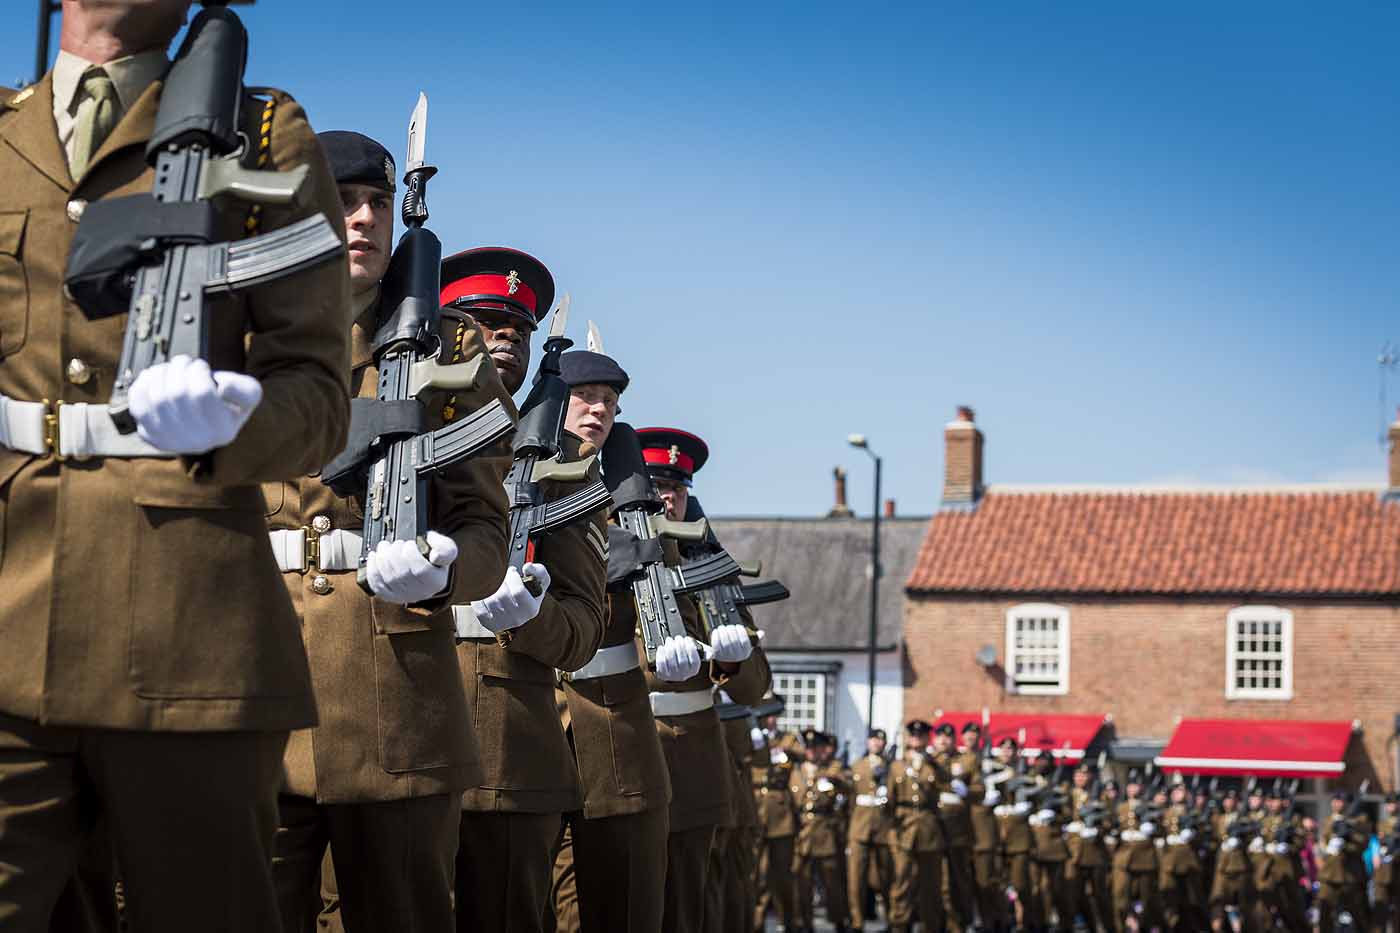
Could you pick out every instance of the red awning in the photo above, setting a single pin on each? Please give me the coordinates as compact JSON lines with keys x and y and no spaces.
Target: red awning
{"x":1263,"y":747}
{"x":1065,"y":736}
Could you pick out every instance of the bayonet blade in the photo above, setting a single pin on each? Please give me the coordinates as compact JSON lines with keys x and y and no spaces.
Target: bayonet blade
{"x":417,"y":134}
{"x":595,"y":339}
{"x":560,"y":324}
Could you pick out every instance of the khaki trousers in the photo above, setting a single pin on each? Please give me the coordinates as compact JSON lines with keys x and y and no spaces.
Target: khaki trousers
{"x":869,"y":870}
{"x":958,"y":888}
{"x":775,"y":882}
{"x":687,"y":866}
{"x":190,"y":817}
{"x":830,"y":870}
{"x":390,"y":868}
{"x":918,"y":883}
{"x":610,"y":873}
{"x":504,"y":868}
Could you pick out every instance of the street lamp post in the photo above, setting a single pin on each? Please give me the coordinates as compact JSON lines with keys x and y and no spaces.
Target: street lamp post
{"x":47,"y":8}
{"x":859,"y":441}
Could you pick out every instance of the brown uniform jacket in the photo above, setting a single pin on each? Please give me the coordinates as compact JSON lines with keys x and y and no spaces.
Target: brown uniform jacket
{"x":870,"y":815}
{"x":394,"y":721}
{"x":817,"y":791}
{"x":737,"y":736}
{"x":770,"y":775}
{"x":525,"y":756}
{"x":142,"y":593}
{"x":615,"y":743}
{"x":1134,"y":856}
{"x":956,"y":811}
{"x":1013,"y":828}
{"x":916,"y":780}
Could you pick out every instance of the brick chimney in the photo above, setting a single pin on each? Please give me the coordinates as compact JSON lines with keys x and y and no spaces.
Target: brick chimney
{"x":840,"y":509}
{"x":962,"y":460}
{"x":889,"y":508}
{"x":1395,"y":456}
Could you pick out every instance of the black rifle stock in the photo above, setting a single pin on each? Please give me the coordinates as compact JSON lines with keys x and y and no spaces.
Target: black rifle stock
{"x":155,"y":255}
{"x":638,"y":508}
{"x":720,"y":602}
{"x":535,"y":458}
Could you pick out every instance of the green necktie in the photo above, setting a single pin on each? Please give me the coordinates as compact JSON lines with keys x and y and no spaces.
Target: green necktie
{"x":97,"y":114}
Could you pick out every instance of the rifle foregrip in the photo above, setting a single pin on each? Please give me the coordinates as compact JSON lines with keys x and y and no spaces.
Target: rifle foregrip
{"x":681,"y":531}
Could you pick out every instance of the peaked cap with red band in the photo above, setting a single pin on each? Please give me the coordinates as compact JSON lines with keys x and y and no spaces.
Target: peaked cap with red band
{"x":672,"y":454}
{"x":498,"y":278}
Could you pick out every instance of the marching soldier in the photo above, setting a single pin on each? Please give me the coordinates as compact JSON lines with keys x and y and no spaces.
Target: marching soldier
{"x":1384,"y":879}
{"x":1014,"y":832}
{"x":986,"y":871}
{"x":1049,"y":857}
{"x":379,"y":804}
{"x":512,"y":641}
{"x":1341,"y":870}
{"x":964,"y":770}
{"x":1135,"y":860}
{"x":1232,"y":888}
{"x":819,"y":789}
{"x":771,"y":775}
{"x":870,"y":865}
{"x":131,"y":688}
{"x":739,"y":895}
{"x":1277,"y":867}
{"x":916,"y":781}
{"x":1086,"y":872}
{"x":610,"y":868}
{"x":682,"y":701}
{"x":1179,"y":877}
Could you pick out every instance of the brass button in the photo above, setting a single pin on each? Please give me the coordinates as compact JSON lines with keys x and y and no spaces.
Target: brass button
{"x":76,"y":208}
{"x":79,"y":373}
{"x":321,"y":524}
{"x":320,"y":585}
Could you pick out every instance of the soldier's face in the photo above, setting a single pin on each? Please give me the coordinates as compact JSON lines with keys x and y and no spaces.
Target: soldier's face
{"x":139,"y":24}
{"x":915,"y":742}
{"x":592,"y":411}
{"x":369,"y":231}
{"x":1080,"y":779}
{"x":875,"y":745}
{"x":507,"y":339}
{"x":1229,"y":804}
{"x":675,"y":495}
{"x":1337,"y":805}
{"x":941,"y":743}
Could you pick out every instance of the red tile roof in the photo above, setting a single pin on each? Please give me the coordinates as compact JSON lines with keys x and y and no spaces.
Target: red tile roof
{"x":1236,"y":542}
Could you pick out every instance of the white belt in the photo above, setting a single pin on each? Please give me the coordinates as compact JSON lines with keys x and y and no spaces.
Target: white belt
{"x":297,"y":552}
{"x":608,"y":661}
{"x":870,"y":800}
{"x":946,"y":799}
{"x":464,"y":618}
{"x":678,"y":704}
{"x":68,"y":429}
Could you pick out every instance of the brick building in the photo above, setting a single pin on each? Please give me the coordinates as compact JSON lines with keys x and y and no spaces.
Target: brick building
{"x":1183,"y":618}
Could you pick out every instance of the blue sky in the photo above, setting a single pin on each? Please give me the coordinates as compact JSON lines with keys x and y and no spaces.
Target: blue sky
{"x":1146,"y":245}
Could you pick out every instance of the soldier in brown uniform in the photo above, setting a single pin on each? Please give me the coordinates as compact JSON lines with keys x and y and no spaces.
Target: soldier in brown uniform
{"x":1135,"y":860}
{"x":1086,"y":873}
{"x":1012,"y":814}
{"x":870,"y":864}
{"x":1277,"y":867}
{"x":1385,"y":880}
{"x":512,"y":641}
{"x":378,"y":779}
{"x":964,"y":769}
{"x":1179,"y":869}
{"x":1341,"y":870}
{"x":682,"y":701}
{"x":819,"y":789}
{"x":777,"y":821}
{"x":987,"y":891}
{"x":1050,"y":857}
{"x":916,"y":782}
{"x":1232,"y":887}
{"x":610,"y":867}
{"x":739,"y":894}
{"x":129,"y":685}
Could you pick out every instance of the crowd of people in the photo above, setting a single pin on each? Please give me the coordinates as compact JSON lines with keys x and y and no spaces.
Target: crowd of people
{"x":958,"y":833}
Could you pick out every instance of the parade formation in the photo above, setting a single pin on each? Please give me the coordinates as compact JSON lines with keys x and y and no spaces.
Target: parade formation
{"x":313,"y":622}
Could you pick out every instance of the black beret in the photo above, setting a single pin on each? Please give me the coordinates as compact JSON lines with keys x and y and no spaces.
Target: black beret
{"x":877,"y":734}
{"x":972,"y":726}
{"x":1134,"y":776}
{"x":946,"y":728}
{"x":358,"y":160}
{"x":1045,"y":755}
{"x":1343,"y":795}
{"x":584,"y":367}
{"x":918,"y":727}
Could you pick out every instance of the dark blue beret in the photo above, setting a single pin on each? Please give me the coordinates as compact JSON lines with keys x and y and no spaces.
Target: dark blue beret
{"x":358,"y":160}
{"x":584,"y":367}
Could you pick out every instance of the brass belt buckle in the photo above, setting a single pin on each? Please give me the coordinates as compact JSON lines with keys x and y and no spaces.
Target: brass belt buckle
{"x":51,"y":442}
{"x":310,"y":548}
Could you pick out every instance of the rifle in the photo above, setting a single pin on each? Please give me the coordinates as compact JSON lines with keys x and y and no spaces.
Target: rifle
{"x":156,"y":255}
{"x":535,"y":458}
{"x":390,"y":431}
{"x":719,"y":604}
{"x":637,"y":508}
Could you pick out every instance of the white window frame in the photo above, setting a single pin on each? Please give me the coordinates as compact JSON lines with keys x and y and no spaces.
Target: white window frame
{"x":1259,"y":614}
{"x":780,"y":686}
{"x":1061,"y":614}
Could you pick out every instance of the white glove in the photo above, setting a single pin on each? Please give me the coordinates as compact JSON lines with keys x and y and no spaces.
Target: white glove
{"x":511,"y":606}
{"x":756,"y":738}
{"x":1021,"y":808}
{"x":398,"y":573}
{"x":1147,"y":828}
{"x":1256,"y":845}
{"x":1187,"y":835}
{"x":1089,"y":832}
{"x":183,"y":408}
{"x":1230,"y":845}
{"x":678,"y":658}
{"x":959,"y":787}
{"x":1335,"y":845}
{"x":1047,"y":815}
{"x":730,"y":643}
{"x":992,"y":798}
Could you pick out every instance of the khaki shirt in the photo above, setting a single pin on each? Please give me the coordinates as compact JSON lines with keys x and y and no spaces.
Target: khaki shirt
{"x":871,"y":820}
{"x":142,"y":593}
{"x":818,"y":791}
{"x":916,"y":781}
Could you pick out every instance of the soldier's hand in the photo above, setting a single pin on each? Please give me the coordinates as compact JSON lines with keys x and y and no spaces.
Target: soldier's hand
{"x":677,"y":658}
{"x":1147,"y":828}
{"x":991,"y":798}
{"x":730,"y":643}
{"x":512,"y":605}
{"x":960,"y":787}
{"x":184,"y":408}
{"x":1335,"y":845}
{"x":398,"y":573}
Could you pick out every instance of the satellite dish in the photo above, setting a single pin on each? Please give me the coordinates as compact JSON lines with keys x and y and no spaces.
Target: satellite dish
{"x":987,"y":655}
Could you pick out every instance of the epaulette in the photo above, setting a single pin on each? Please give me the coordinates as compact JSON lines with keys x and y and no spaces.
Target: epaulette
{"x":12,"y":98}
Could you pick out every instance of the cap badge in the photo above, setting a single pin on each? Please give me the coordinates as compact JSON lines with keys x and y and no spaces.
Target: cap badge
{"x":389,"y":171}
{"x":675,"y":455}
{"x":512,"y":282}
